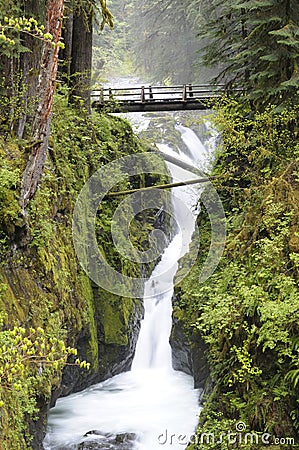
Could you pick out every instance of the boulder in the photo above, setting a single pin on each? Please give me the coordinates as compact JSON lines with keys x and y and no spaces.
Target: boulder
{"x":105,"y":441}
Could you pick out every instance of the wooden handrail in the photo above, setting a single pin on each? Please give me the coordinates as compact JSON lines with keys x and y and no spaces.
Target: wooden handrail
{"x":164,"y":89}
{"x":151,"y":98}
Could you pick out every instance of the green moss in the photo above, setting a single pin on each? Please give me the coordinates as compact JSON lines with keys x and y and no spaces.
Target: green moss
{"x":11,"y":163}
{"x":114,"y":313}
{"x":88,"y":317}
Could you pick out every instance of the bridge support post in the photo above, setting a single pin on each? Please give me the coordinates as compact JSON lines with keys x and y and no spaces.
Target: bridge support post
{"x":142,"y":94}
{"x":190,"y":90}
{"x":150,"y":92}
{"x":102,"y":96}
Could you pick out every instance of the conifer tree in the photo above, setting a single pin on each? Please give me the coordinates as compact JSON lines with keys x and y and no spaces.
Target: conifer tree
{"x":257,"y":41}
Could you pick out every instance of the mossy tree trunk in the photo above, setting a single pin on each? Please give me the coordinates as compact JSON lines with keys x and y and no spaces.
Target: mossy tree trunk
{"x":19,"y":69}
{"x":45,"y":90}
{"x":80,"y":68}
{"x":65,"y":54}
{"x":28,"y":69}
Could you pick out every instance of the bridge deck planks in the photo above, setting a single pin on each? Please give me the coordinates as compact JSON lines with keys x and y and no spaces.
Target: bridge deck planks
{"x":123,"y":107}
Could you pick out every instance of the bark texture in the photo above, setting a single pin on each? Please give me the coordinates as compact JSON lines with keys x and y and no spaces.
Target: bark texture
{"x":42,"y":119}
{"x":80,"y":69}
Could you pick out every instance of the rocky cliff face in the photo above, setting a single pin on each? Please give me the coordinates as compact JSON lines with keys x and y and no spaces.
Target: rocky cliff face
{"x":189,"y":355}
{"x":116,"y":327}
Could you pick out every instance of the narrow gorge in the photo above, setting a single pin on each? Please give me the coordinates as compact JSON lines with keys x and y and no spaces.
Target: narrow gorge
{"x":143,"y":407}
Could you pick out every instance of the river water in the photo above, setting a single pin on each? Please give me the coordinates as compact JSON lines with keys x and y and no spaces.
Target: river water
{"x":157,"y":405}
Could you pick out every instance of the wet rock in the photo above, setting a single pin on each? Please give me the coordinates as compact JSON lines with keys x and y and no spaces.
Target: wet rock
{"x":105,"y":441}
{"x":97,"y":433}
{"x":37,"y":427}
{"x":181,"y":351}
{"x":115,"y":342}
{"x":200,"y":364}
{"x":189,"y":355}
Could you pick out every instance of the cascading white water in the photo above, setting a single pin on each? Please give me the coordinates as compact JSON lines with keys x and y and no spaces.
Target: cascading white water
{"x":198,"y":151}
{"x":156,"y":403}
{"x":153,"y":349}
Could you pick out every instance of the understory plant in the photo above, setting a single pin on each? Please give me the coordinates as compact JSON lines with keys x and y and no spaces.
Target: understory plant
{"x":248,"y":310}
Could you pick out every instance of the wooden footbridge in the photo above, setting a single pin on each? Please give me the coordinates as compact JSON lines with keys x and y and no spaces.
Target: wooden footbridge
{"x":157,"y":98}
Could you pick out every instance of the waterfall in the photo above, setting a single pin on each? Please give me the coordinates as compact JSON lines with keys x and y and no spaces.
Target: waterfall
{"x":153,"y":348}
{"x":152,"y":401}
{"x":198,"y":152}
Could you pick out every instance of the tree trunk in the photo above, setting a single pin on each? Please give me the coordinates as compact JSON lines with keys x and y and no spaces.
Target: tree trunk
{"x":164,"y":186}
{"x":45,"y":90}
{"x":29,"y":66}
{"x":65,"y":54}
{"x":81,"y":58}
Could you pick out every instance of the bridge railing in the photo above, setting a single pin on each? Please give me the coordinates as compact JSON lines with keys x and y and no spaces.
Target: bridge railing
{"x":145,"y":94}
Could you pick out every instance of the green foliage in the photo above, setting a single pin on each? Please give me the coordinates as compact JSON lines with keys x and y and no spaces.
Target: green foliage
{"x":94,"y":6}
{"x":163,"y":40}
{"x":12,"y":27}
{"x":12,"y":105}
{"x":257,"y":45}
{"x":248,"y":311}
{"x":10,"y":172}
{"x":30,"y":365}
{"x":293,"y":375}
